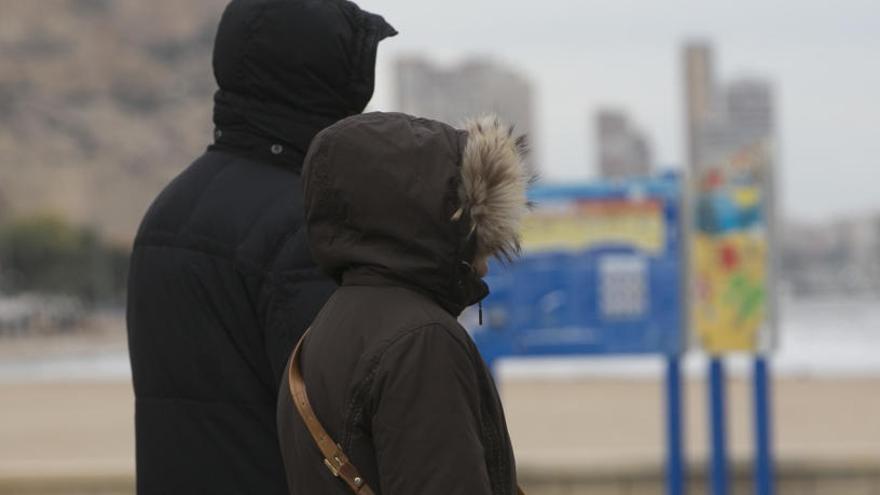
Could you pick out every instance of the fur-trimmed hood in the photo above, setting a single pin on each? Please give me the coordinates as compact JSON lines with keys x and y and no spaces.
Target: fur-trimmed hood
{"x":493,"y":186}
{"x":392,"y":199}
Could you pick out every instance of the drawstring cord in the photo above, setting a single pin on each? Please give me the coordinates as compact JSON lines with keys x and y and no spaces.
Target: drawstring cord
{"x":480,"y":303}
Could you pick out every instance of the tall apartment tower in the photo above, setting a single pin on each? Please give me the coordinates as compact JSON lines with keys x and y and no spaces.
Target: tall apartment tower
{"x":699,"y":94}
{"x":722,"y":120}
{"x":473,"y":88}
{"x":749,"y":104}
{"x":623,"y":150}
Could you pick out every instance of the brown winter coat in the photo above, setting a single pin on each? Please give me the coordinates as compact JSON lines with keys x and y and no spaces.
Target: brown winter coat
{"x":396,"y":208}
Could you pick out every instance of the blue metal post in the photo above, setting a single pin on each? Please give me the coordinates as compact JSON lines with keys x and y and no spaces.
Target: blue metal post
{"x":675,"y":466}
{"x":718,"y":426}
{"x":763,"y":428}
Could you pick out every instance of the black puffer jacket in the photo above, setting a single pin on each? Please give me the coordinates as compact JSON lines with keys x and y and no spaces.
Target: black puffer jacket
{"x":222,"y":284}
{"x":397,"y":208}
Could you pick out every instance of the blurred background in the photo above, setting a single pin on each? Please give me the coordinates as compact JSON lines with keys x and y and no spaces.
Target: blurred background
{"x":102,"y":102}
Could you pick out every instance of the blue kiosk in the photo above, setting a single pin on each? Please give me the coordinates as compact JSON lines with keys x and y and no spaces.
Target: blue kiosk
{"x":603,"y":273}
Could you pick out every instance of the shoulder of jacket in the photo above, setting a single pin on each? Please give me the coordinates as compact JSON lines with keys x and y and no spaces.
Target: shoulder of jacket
{"x":435,"y":331}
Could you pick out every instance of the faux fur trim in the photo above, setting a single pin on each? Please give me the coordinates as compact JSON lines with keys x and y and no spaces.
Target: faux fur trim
{"x":493,"y":186}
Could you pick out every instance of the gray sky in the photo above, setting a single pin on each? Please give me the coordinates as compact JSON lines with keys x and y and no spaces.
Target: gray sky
{"x":822,"y":56}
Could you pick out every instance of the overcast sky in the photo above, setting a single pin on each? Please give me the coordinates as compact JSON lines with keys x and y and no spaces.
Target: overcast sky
{"x":822,"y":56}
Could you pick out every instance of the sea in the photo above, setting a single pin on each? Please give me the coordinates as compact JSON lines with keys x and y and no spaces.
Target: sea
{"x":829,"y":337}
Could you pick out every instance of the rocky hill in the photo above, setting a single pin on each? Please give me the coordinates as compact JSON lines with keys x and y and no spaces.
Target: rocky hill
{"x":101,"y":103}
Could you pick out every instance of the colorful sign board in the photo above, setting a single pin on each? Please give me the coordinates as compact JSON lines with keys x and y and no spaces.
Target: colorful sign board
{"x":601,"y":274}
{"x":730,"y":263}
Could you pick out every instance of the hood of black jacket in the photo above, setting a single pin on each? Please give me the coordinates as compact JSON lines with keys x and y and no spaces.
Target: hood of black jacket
{"x":287,"y":69}
{"x":381,"y":195}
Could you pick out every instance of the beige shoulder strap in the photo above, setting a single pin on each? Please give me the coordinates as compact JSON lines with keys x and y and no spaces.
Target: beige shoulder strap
{"x":334,"y":458}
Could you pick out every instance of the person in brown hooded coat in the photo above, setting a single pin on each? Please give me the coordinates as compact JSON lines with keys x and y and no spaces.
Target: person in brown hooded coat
{"x":403,"y":213}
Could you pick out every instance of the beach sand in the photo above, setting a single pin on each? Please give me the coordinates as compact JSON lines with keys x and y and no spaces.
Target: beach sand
{"x":620,"y":422}
{"x":82,"y":427}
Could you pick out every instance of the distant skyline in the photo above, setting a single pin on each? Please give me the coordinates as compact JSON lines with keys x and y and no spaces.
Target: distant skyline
{"x":454,"y":94}
{"x":582,"y":55}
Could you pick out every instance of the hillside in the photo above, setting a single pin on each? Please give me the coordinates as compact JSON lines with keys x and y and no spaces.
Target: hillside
{"x":101,"y":103}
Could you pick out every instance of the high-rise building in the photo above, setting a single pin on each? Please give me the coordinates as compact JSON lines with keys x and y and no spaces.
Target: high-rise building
{"x":473,"y":88}
{"x":699,"y":92}
{"x":623,"y":150}
{"x":749,"y":108}
{"x":722,"y":120}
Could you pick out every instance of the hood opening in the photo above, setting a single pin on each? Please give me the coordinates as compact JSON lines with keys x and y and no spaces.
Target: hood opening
{"x":392,"y":199}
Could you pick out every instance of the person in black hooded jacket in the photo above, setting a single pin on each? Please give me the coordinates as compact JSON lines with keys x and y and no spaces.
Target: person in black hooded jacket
{"x":403,"y":213}
{"x":222,"y":284}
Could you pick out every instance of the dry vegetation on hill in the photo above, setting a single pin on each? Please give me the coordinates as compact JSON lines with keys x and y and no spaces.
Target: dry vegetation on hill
{"x":101,"y":103}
